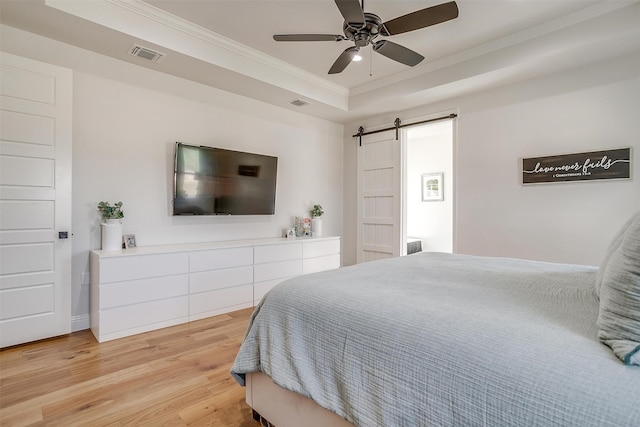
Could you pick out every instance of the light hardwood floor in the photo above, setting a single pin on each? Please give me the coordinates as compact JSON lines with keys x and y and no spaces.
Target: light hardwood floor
{"x":174,"y":376}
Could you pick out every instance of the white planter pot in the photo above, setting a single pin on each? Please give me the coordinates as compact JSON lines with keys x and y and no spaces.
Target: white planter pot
{"x":112,"y":235}
{"x":316,"y":227}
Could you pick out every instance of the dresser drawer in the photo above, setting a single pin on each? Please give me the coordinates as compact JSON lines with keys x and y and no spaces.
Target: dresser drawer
{"x":321,"y":248}
{"x":118,"y":269}
{"x":275,"y":270}
{"x":261,"y":288}
{"x":220,"y":258}
{"x":219,"y":301}
{"x":313,"y":265}
{"x":137,"y":291}
{"x":218,"y":279}
{"x":148,"y":313}
{"x":271,"y":253}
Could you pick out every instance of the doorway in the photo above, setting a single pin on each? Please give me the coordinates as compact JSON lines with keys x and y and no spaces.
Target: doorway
{"x":428,"y":188}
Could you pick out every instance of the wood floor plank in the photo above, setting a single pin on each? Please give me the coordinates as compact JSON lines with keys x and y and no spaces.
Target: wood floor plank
{"x":174,"y":376}
{"x":85,"y":390}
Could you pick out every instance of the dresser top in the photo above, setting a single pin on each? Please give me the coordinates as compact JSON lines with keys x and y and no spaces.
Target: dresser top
{"x":202,"y":246}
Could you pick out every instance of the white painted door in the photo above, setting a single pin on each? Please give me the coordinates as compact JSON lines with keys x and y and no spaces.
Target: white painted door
{"x":35,"y":200}
{"x":379,"y":203}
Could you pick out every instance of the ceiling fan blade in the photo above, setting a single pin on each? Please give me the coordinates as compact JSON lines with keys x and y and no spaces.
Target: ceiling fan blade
{"x":308,"y":38}
{"x":351,"y":11}
{"x":343,"y":60}
{"x":397,"y":53}
{"x":420,"y":19}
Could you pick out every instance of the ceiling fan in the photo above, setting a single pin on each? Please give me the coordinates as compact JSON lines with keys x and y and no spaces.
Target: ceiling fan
{"x":363,"y":28}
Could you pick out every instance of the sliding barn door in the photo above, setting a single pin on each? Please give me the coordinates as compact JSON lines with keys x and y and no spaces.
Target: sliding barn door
{"x":379,"y":195}
{"x":35,"y":200}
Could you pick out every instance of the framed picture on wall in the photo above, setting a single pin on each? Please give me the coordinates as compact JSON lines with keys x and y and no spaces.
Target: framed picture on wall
{"x":432,"y":187}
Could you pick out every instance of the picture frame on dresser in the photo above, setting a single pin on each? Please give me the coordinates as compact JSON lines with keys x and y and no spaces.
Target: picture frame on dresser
{"x":129,"y":241}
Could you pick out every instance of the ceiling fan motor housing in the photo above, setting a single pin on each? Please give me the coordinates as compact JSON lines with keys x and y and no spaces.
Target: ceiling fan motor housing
{"x":363,"y":35}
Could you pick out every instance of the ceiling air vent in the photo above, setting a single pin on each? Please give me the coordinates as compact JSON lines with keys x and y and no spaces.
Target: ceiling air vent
{"x":299,"y":102}
{"x":145,"y":53}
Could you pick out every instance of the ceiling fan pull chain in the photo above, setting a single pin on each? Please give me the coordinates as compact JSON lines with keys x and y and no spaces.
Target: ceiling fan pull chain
{"x":370,"y":60}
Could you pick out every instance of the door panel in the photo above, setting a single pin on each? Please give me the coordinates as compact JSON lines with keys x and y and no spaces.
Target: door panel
{"x":40,"y":301}
{"x":378,"y":197}
{"x":35,"y":200}
{"x":27,"y":128}
{"x":25,"y":259}
{"x":20,"y":83}
{"x":26,"y":214}
{"x":18,"y":171}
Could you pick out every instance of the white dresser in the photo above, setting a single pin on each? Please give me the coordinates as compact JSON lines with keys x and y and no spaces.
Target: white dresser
{"x":146,"y":288}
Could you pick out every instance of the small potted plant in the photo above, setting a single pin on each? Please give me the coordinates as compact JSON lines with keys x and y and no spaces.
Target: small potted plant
{"x":110,"y":212}
{"x":316,"y":211}
{"x":316,"y":220}
{"x":112,"y":225}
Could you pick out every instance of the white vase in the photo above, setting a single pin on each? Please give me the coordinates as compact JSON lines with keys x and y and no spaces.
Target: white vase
{"x":112,"y":235}
{"x":316,"y":227}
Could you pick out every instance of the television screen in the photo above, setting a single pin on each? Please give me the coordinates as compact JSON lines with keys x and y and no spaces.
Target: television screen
{"x":214,"y":181}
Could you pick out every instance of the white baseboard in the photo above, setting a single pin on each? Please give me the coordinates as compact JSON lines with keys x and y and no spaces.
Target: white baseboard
{"x":80,"y":323}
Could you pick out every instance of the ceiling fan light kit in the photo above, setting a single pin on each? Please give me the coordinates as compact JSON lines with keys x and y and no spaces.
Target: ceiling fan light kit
{"x":362,"y":28}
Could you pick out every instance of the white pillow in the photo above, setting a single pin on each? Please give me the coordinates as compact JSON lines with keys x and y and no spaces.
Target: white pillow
{"x":613,"y":247}
{"x":619,"y":315}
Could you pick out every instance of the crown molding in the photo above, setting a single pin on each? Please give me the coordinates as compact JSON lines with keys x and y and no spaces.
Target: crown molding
{"x":151,"y":12}
{"x":147,"y":22}
{"x":526,"y":35}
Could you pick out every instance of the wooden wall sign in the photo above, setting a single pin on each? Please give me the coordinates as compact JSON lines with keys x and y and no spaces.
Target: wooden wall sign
{"x":594,"y":165}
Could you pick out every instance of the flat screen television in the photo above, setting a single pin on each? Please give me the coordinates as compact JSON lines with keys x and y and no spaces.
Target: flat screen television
{"x":215,"y":181}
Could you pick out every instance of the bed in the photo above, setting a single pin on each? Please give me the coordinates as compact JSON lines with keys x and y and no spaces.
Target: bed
{"x":435,"y":339}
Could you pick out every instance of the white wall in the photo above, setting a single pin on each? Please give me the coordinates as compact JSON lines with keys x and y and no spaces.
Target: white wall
{"x":430,"y":150}
{"x":587,"y":109}
{"x":126,"y":120}
{"x":125,"y":152}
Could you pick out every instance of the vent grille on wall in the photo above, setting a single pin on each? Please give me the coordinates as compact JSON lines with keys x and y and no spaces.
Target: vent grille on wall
{"x":300,"y":102}
{"x":146,"y":53}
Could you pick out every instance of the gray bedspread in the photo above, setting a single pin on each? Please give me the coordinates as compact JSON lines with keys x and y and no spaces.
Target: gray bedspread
{"x":437,"y":339}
